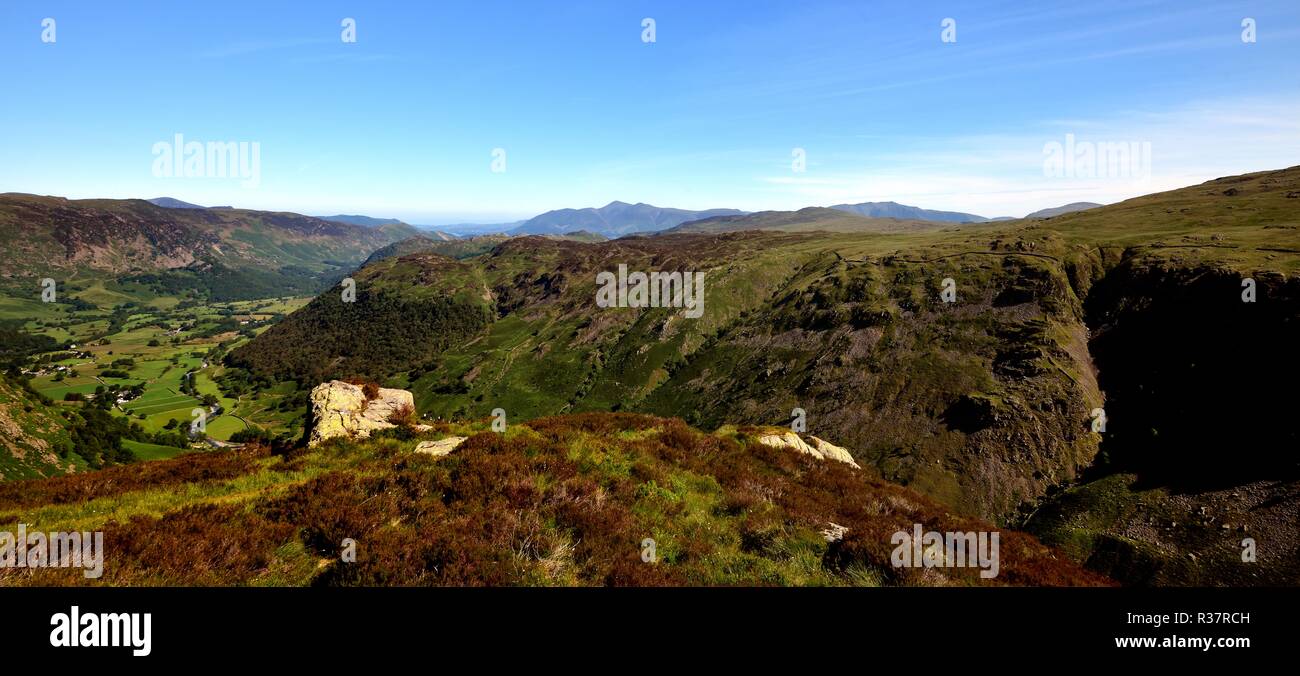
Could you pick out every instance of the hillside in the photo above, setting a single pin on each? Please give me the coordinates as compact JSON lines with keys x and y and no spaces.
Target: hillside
{"x":454,"y":230}
{"x":407,"y":311}
{"x":809,"y":219}
{"x":34,"y":438}
{"x":455,"y":248}
{"x":904,"y":212}
{"x":581,"y":236}
{"x":613,"y":220}
{"x":233,"y":253}
{"x":569,"y":500}
{"x":364,"y":221}
{"x":1063,"y":209}
{"x":173,"y":203}
{"x":984,"y":403}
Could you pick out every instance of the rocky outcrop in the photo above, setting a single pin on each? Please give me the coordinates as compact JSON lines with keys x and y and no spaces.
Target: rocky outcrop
{"x":341,"y":409}
{"x":820,"y":448}
{"x":834,"y":532}
{"x":832,"y":451}
{"x":440,"y":447}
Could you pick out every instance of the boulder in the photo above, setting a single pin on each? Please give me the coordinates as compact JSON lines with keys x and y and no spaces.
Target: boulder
{"x":341,"y":409}
{"x":819,"y":449}
{"x":834,"y":532}
{"x":832,"y":451}
{"x":440,"y":447}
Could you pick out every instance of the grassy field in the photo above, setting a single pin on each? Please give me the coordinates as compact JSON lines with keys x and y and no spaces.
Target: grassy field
{"x":224,"y":426}
{"x":144,"y":451}
{"x":160,"y":342}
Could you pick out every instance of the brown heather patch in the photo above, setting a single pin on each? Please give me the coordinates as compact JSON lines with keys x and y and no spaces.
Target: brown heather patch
{"x":82,"y":487}
{"x":200,"y":545}
{"x":499,"y":510}
{"x":197,"y":545}
{"x":776,"y":489}
{"x":594,"y":423}
{"x":567,"y":503}
{"x":404,"y":416}
{"x":338,"y":505}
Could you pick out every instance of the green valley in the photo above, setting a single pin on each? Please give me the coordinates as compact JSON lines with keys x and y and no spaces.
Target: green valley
{"x":1036,"y":375}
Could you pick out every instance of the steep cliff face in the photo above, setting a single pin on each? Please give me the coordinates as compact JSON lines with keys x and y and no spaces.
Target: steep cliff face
{"x":1197,"y":479}
{"x":1193,"y":372}
{"x":981,"y":400}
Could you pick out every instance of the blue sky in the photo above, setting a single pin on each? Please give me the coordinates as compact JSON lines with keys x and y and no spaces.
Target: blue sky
{"x":403,"y":122}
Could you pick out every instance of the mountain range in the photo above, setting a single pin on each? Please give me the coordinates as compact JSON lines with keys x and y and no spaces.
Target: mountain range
{"x":173,"y":203}
{"x":1057,"y":391}
{"x":365,"y":221}
{"x":808,"y":219}
{"x":617,"y":219}
{"x":1065,"y":209}
{"x":985,"y":402}
{"x":902,"y":211}
{"x":228,"y":252}
{"x":614,"y":219}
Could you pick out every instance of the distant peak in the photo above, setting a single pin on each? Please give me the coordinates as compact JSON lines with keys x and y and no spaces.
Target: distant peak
{"x":172,"y":203}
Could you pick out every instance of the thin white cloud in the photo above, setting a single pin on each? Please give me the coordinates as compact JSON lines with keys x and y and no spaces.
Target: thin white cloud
{"x":258,"y":46}
{"x":997,"y":175}
{"x":342,"y":57}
